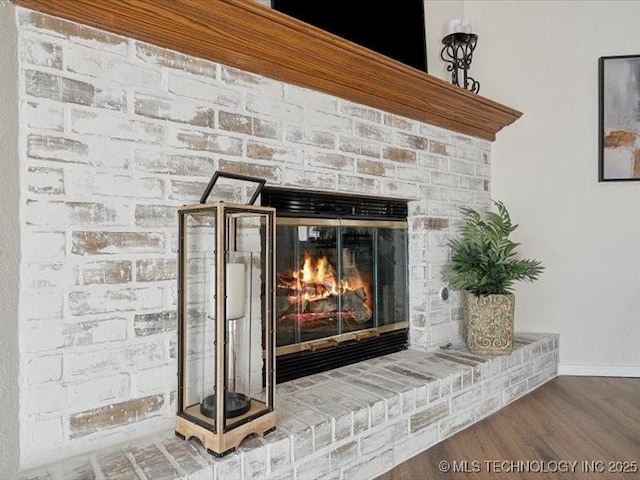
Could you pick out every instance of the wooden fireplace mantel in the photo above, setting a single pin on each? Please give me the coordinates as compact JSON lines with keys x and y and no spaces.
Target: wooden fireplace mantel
{"x":255,"y":38}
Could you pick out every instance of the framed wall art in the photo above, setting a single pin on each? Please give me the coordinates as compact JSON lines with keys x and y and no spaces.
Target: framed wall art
{"x":619,"y":110}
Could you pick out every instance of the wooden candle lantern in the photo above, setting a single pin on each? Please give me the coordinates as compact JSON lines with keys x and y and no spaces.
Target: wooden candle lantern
{"x":226,"y":337}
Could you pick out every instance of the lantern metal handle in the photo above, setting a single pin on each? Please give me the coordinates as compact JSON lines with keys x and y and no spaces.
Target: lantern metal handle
{"x":233,"y":176}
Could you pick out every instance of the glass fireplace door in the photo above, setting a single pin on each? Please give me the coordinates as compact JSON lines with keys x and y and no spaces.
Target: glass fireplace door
{"x":337,"y":277}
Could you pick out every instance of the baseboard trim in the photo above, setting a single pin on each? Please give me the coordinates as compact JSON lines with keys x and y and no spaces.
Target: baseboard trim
{"x":599,"y":370}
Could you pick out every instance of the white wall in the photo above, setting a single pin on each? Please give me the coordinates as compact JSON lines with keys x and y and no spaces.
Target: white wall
{"x":9,"y":240}
{"x":542,"y":58}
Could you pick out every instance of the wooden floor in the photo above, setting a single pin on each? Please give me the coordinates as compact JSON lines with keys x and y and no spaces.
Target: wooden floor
{"x":594,"y":421}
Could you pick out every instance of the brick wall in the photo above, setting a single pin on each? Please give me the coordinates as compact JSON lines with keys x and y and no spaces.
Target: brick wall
{"x":115,"y":134}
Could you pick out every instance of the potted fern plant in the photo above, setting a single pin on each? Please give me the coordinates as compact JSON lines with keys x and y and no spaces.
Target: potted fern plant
{"x":484,"y":267}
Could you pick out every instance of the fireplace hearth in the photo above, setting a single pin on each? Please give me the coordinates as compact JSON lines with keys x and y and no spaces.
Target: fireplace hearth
{"x":341,"y":293}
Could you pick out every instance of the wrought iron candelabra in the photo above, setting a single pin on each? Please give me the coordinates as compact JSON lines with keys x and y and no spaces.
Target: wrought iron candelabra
{"x":458,"y":53}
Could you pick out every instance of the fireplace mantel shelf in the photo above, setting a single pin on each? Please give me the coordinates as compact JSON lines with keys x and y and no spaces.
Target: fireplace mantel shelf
{"x":257,"y":39}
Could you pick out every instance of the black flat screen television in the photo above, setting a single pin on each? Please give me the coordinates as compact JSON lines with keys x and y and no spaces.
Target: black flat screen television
{"x":395,"y":29}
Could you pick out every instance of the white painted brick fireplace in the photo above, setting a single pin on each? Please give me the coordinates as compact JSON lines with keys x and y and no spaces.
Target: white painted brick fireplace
{"x":114,"y":135}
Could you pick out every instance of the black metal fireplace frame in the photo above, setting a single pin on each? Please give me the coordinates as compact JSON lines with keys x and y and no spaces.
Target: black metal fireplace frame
{"x":328,"y":354}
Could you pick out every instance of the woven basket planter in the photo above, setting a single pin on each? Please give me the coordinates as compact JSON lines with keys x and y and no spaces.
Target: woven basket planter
{"x":488,"y":323}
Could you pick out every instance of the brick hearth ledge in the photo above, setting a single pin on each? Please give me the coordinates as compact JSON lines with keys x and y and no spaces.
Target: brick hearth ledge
{"x":355,"y":422}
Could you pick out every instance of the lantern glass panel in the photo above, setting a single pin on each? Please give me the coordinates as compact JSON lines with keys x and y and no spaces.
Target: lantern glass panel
{"x":199,"y":360}
{"x":245,"y":337}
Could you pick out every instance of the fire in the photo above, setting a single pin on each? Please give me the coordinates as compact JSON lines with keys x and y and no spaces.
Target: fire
{"x":317,"y":280}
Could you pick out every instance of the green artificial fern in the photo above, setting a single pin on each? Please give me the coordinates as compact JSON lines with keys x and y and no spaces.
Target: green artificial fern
{"x":483,"y":258}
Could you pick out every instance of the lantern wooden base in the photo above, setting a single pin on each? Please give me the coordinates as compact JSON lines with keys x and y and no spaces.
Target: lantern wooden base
{"x":220,"y":444}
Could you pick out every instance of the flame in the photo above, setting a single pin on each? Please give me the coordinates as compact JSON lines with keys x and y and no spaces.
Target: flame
{"x":317,"y":279}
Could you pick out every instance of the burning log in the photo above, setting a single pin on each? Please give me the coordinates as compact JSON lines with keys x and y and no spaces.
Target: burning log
{"x":309,"y":317}
{"x":353,"y":305}
{"x":315,"y":293}
{"x":282,"y":304}
{"x":324,"y":305}
{"x":353,"y":302}
{"x":360,"y":293}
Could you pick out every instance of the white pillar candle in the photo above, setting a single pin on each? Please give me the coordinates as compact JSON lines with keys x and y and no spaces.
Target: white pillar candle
{"x":454,"y":26}
{"x":235,"y":290}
